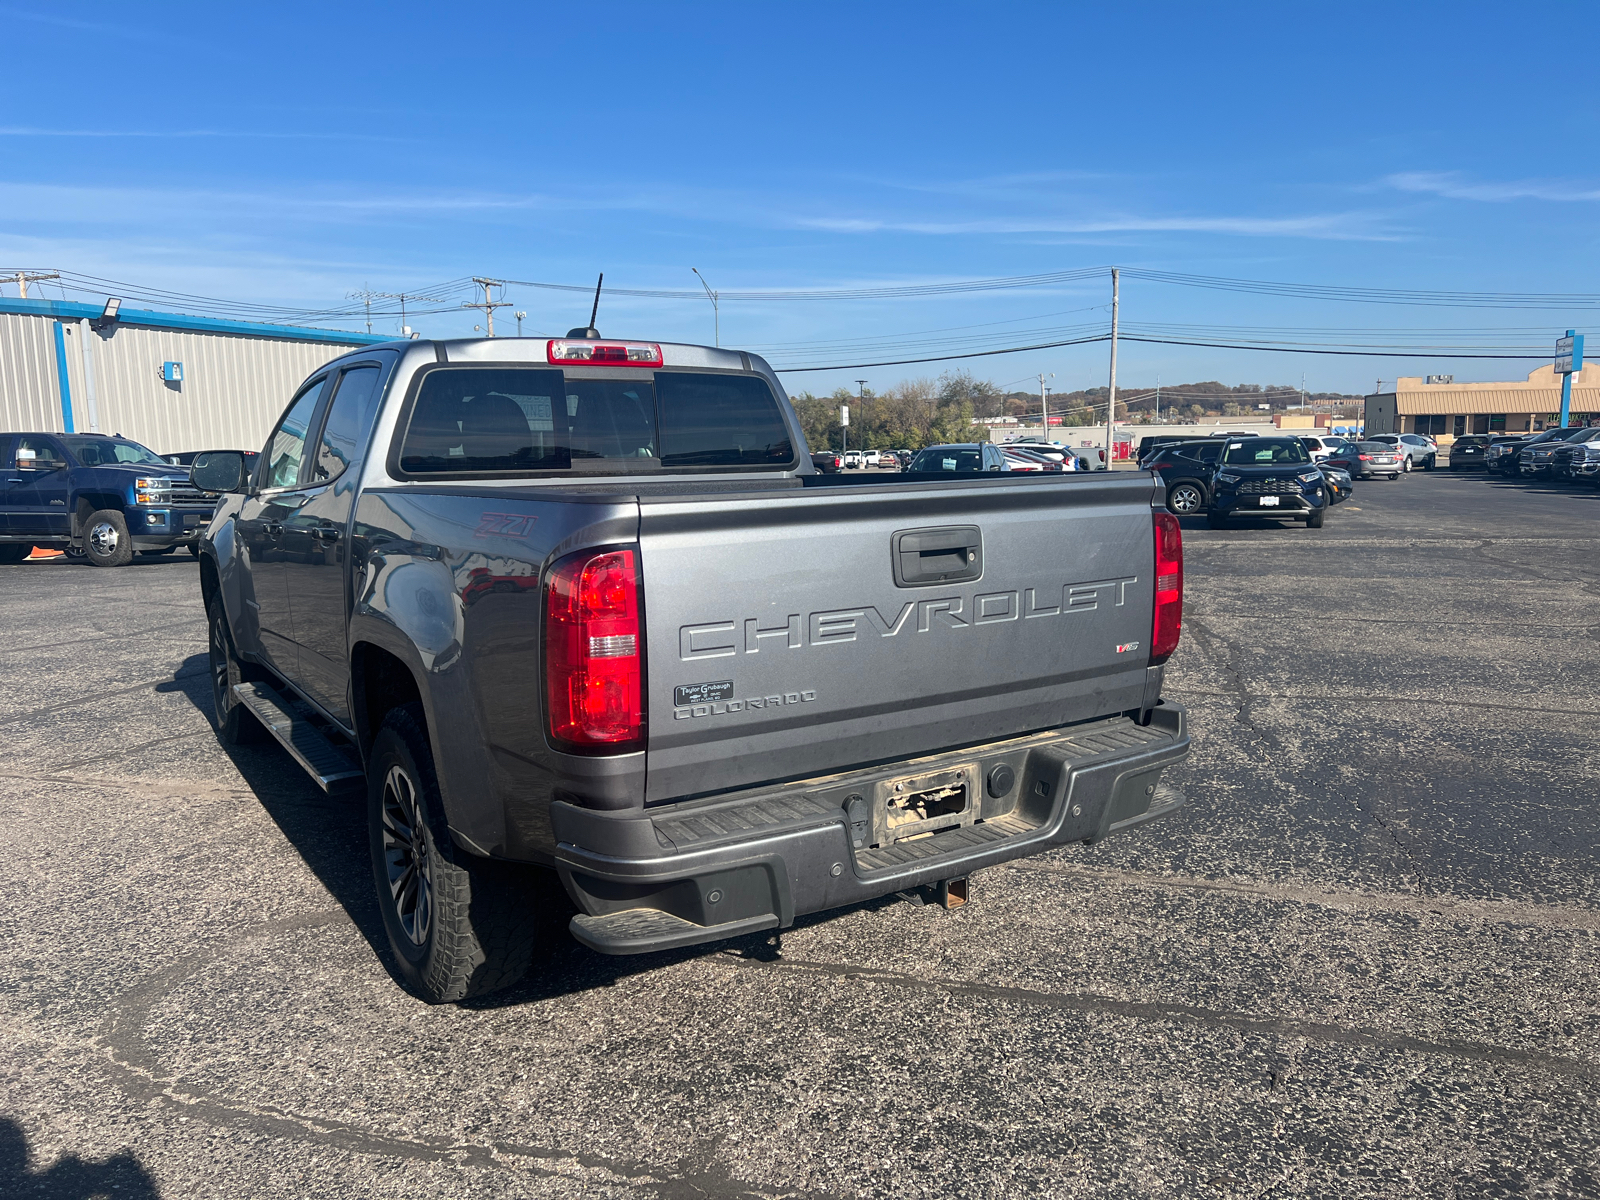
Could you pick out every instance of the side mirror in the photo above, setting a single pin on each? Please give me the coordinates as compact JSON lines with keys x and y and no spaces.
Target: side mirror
{"x":218,"y":471}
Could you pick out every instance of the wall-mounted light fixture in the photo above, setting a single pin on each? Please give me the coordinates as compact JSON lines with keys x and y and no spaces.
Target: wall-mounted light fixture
{"x":108,"y":315}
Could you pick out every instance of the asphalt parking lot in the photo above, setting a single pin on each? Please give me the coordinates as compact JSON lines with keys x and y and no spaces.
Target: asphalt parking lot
{"x":1363,"y":961}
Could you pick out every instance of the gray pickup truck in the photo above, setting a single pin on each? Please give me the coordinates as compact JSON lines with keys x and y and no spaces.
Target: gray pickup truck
{"x":587,"y":605}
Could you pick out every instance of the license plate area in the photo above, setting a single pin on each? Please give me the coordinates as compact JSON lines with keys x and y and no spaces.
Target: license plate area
{"x":917,"y":806}
{"x":1268,"y":501}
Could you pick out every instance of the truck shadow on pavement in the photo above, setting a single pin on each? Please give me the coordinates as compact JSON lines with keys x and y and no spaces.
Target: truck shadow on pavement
{"x":70,"y":1177}
{"x":330,"y":835}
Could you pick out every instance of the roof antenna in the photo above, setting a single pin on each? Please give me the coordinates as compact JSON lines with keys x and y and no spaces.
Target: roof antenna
{"x":589,"y":331}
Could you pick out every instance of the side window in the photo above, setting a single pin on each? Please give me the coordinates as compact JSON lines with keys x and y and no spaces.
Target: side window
{"x":344,"y":433}
{"x":287,"y":445}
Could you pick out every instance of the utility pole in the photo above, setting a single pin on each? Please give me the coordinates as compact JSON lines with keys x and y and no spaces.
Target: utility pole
{"x":520,"y":316}
{"x":1158,"y":399}
{"x":1044,"y":406}
{"x":364,"y":295}
{"x":716,"y":312}
{"x":24,"y":278}
{"x":1111,"y":405}
{"x":489,"y":302}
{"x":403,"y":297}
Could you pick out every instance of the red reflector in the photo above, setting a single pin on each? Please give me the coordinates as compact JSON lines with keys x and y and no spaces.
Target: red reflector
{"x":1168,"y":620}
{"x":594,"y":666}
{"x":609,"y":354}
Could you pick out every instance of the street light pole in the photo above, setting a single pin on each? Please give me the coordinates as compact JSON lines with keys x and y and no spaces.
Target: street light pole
{"x":716,"y":312}
{"x":1111,"y":405}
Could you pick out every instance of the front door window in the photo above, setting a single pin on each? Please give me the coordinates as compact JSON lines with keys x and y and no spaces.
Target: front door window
{"x":288,"y":444}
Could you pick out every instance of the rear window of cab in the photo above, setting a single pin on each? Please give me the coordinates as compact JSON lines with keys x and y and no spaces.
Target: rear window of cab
{"x":469,"y":420}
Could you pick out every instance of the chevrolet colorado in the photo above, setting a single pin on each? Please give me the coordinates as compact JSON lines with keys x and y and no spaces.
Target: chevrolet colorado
{"x":586,"y":605}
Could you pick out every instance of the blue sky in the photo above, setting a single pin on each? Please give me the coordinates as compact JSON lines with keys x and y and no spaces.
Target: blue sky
{"x":292,"y":153}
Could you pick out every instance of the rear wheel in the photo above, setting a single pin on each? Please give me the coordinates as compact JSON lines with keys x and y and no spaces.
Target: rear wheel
{"x":105,"y":539}
{"x":1433,"y":460}
{"x":459,"y":925}
{"x":1185,"y":498}
{"x":236,"y":725}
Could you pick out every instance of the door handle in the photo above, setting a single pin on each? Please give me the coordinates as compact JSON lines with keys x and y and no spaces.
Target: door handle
{"x":272,"y":529}
{"x":947,"y":554}
{"x":326,"y":533}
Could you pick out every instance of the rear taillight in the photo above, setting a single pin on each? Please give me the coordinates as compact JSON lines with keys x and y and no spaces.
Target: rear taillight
{"x":1366,"y":458}
{"x":594,"y":662}
{"x":1168,"y":619}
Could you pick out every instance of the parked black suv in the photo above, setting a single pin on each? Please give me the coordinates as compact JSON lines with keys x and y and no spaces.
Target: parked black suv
{"x":1186,"y":469}
{"x":1469,"y":451}
{"x":1267,"y":477}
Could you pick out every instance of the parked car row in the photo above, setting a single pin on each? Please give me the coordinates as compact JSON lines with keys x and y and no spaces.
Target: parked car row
{"x":1569,"y":454}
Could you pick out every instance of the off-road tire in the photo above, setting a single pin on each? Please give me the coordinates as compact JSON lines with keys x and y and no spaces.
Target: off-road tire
{"x":1314,"y":519}
{"x":483,"y":917}
{"x":14,"y":554}
{"x":236,"y":725}
{"x":105,"y":539}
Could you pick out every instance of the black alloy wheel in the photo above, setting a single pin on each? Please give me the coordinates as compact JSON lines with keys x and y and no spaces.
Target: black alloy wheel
{"x":236,"y":724}
{"x":1184,"y":499}
{"x":406,"y":856}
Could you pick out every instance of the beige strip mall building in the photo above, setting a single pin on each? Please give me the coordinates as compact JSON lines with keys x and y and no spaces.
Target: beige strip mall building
{"x":1448,"y":409}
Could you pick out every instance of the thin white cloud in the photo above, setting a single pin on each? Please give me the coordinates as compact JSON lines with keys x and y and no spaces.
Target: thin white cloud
{"x":1452,"y":186}
{"x":1328,"y":226}
{"x":335,"y":136}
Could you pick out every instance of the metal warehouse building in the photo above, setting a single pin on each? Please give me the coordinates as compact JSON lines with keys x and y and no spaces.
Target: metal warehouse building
{"x":168,"y":381}
{"x":1440,"y":407}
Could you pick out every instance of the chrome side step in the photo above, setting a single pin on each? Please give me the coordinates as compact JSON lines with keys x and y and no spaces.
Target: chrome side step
{"x":331,"y":767}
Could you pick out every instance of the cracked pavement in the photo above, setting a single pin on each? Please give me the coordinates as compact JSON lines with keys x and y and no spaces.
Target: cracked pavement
{"x":1362,"y":961}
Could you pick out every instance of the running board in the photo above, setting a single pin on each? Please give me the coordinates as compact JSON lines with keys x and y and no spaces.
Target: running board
{"x":331,"y":767}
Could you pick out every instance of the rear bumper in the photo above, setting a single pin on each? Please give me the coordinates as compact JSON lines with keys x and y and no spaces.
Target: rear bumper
{"x":708,"y":870}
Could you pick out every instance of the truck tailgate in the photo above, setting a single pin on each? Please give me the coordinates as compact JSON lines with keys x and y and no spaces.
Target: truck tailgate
{"x":798,"y":633}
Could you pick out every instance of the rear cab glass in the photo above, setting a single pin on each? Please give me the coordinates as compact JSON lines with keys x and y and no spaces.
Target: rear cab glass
{"x":497,"y":420}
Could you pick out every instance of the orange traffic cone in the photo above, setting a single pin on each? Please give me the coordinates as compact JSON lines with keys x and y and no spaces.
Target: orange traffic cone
{"x":41,"y":553}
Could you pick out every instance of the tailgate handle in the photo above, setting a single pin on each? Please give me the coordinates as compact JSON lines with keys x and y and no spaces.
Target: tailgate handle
{"x":947,"y":554}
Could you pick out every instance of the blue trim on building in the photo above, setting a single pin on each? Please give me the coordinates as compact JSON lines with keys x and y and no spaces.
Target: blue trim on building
{"x":72,"y":310}
{"x":61,"y":378}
